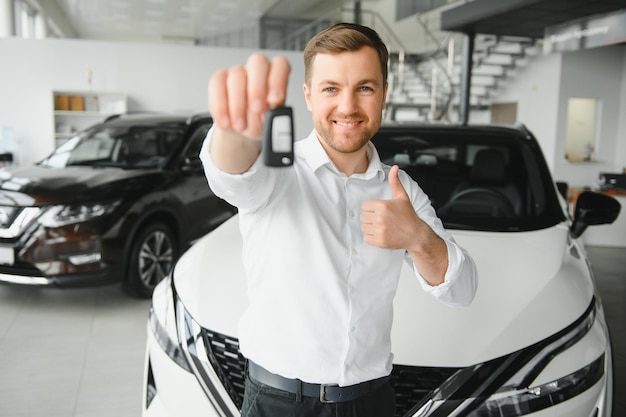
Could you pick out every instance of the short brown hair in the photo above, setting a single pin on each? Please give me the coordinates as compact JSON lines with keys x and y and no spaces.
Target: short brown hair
{"x":344,"y":37}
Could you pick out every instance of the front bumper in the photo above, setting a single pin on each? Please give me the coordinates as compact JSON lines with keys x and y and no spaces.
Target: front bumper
{"x":73,"y":255}
{"x":84,"y":279}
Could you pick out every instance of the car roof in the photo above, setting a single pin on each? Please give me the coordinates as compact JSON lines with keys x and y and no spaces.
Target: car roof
{"x":132,"y":119}
{"x":434,"y":127}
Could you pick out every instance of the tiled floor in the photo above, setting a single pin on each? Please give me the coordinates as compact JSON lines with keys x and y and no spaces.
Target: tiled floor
{"x":79,"y":353}
{"x":71,"y":353}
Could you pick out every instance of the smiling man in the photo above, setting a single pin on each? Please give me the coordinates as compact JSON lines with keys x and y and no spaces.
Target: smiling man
{"x":324,"y":240}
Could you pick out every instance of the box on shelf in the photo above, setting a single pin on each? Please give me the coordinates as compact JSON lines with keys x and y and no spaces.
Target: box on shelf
{"x":77,"y":103}
{"x":61,"y":102}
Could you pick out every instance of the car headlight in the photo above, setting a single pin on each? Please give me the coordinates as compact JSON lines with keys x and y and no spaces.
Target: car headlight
{"x":516,"y":402}
{"x":504,"y":386}
{"x":65,"y":214}
{"x":162,"y":321}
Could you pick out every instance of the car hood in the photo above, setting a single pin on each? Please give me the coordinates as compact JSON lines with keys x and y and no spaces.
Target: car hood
{"x":531,"y":285}
{"x":46,"y":185}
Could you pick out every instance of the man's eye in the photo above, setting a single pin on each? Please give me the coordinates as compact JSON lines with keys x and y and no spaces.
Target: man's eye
{"x":330,"y":90}
{"x":366,"y":89}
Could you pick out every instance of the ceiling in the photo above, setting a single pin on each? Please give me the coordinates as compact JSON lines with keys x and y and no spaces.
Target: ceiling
{"x":173,"y":20}
{"x":191,"y":21}
{"x":526,"y":18}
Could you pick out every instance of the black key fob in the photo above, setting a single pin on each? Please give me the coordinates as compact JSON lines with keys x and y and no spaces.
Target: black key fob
{"x":278,"y":137}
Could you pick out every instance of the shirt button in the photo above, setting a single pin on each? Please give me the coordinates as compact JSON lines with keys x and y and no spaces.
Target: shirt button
{"x":351,"y":214}
{"x":353,"y":329}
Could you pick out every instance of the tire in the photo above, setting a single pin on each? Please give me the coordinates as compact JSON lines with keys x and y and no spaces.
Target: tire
{"x":153,"y":254}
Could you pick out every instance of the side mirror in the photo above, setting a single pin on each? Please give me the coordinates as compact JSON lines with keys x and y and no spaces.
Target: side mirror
{"x":593,"y":209}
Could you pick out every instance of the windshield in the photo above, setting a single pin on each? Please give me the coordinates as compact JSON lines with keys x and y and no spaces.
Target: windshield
{"x":137,"y":147}
{"x":476,"y":180}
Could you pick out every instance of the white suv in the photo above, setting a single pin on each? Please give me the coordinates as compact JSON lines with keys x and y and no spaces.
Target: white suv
{"x":535,"y":339}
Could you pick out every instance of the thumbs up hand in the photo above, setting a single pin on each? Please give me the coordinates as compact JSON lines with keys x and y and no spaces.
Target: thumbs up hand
{"x":391,"y":224}
{"x":394,"y":224}
{"x":397,"y":189}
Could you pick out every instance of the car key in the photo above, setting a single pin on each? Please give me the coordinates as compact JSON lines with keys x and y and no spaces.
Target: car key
{"x":278,"y":137}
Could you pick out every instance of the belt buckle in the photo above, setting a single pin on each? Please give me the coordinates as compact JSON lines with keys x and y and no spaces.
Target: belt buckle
{"x":323,"y":393}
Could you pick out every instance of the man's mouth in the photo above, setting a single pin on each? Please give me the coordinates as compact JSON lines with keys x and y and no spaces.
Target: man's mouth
{"x":347,"y":123}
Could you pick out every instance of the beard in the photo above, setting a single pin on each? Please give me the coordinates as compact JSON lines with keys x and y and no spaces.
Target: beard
{"x":347,"y":142}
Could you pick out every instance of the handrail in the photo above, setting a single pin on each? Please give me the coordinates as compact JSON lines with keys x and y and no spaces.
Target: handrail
{"x":438,"y":65}
{"x":332,"y":16}
{"x":389,"y":30}
{"x":304,"y":29}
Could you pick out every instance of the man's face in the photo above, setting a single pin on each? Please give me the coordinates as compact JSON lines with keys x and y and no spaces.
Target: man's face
{"x":346,"y":97}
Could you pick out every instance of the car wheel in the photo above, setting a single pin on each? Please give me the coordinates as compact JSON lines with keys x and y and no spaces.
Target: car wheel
{"x":152,"y":257}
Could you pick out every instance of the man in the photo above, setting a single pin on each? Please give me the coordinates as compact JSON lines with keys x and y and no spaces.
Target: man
{"x":325,"y":239}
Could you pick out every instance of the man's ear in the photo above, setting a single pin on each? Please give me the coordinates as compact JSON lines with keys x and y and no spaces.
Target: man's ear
{"x":307,"y":96}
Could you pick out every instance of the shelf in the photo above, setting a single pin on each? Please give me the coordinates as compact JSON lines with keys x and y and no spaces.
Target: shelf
{"x":75,"y":111}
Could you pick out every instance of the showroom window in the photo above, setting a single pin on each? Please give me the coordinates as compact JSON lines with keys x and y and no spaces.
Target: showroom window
{"x":29,"y":22}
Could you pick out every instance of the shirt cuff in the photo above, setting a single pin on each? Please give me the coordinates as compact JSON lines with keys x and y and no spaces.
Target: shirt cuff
{"x":455,"y":259}
{"x":224,"y":185}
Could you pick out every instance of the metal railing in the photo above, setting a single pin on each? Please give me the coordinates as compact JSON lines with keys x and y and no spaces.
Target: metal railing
{"x":297,"y":40}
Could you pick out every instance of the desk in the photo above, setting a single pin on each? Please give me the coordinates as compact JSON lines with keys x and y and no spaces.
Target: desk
{"x":613,"y":234}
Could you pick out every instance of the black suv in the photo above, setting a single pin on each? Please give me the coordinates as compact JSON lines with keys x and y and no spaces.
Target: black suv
{"x":117,"y":202}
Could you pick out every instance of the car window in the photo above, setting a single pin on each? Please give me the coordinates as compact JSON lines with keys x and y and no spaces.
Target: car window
{"x":148,"y":147}
{"x":476,"y":180}
{"x":136,"y":147}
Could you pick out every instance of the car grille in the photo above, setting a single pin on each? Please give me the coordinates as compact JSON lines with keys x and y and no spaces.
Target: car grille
{"x":410,"y":383}
{"x":14,"y":220}
{"x":227,"y":362}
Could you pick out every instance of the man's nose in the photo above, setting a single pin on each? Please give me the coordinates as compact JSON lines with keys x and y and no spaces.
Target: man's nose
{"x":348,"y":103}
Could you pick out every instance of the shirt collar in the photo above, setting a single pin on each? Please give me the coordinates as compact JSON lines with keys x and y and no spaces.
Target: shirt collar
{"x":316,"y":157}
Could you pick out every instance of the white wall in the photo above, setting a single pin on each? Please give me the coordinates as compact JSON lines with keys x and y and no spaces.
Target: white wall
{"x":535,"y":89}
{"x":156,"y":77}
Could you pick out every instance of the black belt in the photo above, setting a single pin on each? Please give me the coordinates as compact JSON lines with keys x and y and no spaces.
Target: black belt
{"x":327,"y":393}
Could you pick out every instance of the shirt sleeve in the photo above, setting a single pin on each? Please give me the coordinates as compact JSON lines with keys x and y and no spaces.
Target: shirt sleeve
{"x":460,"y":281}
{"x":244,"y":190}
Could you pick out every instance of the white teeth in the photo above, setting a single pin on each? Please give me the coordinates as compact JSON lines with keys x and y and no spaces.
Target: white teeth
{"x":348,"y":124}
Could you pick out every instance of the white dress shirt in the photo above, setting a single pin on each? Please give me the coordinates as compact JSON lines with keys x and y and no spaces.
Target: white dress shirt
{"x":320,"y":298}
